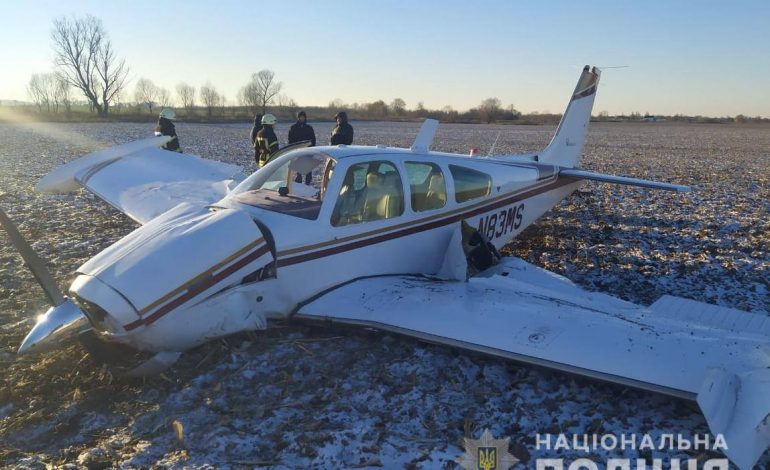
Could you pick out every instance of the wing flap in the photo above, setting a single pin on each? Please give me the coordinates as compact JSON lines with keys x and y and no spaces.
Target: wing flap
{"x":142,"y":180}
{"x":712,"y":316}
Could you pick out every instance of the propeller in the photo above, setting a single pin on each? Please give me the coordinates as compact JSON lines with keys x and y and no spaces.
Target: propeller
{"x":64,"y":318}
{"x":34,"y":262}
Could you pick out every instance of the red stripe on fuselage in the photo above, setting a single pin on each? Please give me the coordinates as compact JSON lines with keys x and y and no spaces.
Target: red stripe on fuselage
{"x":198,"y":288}
{"x":526,"y":194}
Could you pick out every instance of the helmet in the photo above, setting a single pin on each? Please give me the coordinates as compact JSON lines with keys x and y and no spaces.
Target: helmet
{"x":168,"y":113}
{"x":269,"y":119}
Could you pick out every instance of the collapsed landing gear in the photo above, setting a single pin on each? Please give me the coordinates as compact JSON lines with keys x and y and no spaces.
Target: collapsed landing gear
{"x":480,"y":253}
{"x":124,"y":360}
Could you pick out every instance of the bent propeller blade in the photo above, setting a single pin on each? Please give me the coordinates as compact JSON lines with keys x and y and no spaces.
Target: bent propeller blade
{"x":36,"y":265}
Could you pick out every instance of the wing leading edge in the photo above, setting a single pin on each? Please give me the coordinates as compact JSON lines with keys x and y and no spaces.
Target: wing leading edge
{"x":142,"y":180}
{"x":522,"y":312}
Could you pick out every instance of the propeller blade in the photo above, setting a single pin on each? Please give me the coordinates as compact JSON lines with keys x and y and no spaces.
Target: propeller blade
{"x":36,"y":265}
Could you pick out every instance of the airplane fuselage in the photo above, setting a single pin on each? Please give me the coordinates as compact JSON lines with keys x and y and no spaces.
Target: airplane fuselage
{"x":232,"y":266}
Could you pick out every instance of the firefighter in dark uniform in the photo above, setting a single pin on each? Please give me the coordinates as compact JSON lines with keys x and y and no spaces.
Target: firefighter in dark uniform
{"x":256,"y":128}
{"x":166,"y":127}
{"x":267,"y":142}
{"x":300,"y":131}
{"x":342,"y":132}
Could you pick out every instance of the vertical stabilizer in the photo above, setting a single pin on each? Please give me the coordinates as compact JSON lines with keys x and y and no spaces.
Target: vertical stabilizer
{"x":424,"y":138}
{"x":566,"y":146}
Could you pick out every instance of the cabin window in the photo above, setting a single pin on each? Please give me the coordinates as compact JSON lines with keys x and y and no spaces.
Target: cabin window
{"x":470,"y":184}
{"x":427,"y":186}
{"x":370,"y":191}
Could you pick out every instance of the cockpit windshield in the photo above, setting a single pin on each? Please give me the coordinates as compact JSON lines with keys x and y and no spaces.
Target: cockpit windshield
{"x":293,"y":184}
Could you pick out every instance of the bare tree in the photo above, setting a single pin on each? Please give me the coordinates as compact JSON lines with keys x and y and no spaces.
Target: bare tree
{"x":164,"y":97}
{"x":46,"y":89}
{"x":420,"y":109}
{"x":41,"y":89}
{"x":489,"y":109}
{"x":336,"y":103}
{"x":63,"y":95}
{"x":222,"y":104}
{"x":398,"y":106}
{"x":248,"y":95}
{"x":186,"y":94}
{"x":146,"y":93}
{"x":268,"y":87}
{"x":261,"y":91}
{"x":35,"y":91}
{"x":451,"y":114}
{"x":210,"y":97}
{"x":86,"y":60}
{"x":284,"y":101}
{"x":377,"y":109}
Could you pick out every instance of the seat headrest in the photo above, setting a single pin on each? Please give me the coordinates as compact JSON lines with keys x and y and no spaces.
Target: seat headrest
{"x":436,"y":183}
{"x":373,"y":180}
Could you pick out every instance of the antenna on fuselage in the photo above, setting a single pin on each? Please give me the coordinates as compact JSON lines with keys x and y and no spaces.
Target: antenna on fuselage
{"x":492,"y":149}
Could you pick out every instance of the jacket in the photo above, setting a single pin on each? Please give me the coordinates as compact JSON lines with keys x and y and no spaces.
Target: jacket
{"x":266,"y":145}
{"x":254,"y":130}
{"x":166,"y":127}
{"x":300,"y":132}
{"x":342,"y":133}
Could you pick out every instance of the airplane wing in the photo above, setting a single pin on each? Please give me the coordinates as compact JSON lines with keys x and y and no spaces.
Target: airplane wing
{"x":716,"y":355}
{"x":142,"y":180}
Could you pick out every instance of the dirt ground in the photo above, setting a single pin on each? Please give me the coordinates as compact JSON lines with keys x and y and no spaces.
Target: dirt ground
{"x":297,"y":396}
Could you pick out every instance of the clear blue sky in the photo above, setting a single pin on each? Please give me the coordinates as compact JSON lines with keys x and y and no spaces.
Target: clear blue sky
{"x":704,"y":57}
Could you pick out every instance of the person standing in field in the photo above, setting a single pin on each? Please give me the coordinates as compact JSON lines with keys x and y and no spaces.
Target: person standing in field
{"x":254,"y":130}
{"x":266,"y":141}
{"x":166,"y":127}
{"x":300,"y":131}
{"x":342,"y":132}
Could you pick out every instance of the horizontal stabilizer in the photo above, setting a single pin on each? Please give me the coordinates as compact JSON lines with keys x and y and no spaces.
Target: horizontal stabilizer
{"x":589,"y":175}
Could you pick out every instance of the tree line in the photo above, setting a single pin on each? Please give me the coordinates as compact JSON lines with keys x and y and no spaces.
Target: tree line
{"x":86,"y":65}
{"x":86,"y":62}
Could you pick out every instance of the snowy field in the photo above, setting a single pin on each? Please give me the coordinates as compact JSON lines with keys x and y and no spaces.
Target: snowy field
{"x":298,"y":396}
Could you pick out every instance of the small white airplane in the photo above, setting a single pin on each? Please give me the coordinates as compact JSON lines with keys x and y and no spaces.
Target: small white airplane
{"x":403,"y":240}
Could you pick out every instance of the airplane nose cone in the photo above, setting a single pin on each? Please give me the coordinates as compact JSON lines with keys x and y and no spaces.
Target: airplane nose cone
{"x":57,"y":324}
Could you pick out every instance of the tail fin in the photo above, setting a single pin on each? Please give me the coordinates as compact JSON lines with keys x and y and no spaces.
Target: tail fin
{"x":566,"y":147}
